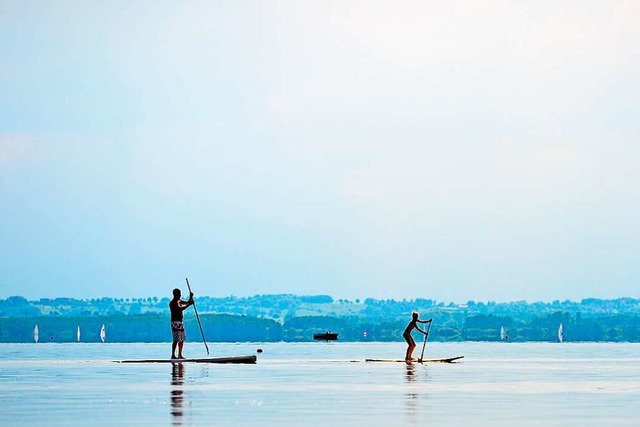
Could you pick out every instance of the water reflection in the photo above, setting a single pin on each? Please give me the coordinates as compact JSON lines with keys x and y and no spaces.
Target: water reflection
{"x":411,"y":373}
{"x":416,"y":377}
{"x":177,"y":398}
{"x":412,"y":396}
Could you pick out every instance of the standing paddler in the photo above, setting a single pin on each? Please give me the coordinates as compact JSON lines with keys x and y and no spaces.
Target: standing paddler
{"x":177,"y":306}
{"x":413,"y":324}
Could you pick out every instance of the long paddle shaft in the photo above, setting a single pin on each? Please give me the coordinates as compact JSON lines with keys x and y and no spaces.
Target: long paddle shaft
{"x":425,"y":341}
{"x":198,"y":319}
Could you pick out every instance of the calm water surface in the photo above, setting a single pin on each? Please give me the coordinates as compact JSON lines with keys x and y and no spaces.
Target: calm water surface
{"x":496,"y":384}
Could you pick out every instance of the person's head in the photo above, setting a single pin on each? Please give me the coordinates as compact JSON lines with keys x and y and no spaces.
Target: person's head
{"x":414,"y":315}
{"x":177,"y":293}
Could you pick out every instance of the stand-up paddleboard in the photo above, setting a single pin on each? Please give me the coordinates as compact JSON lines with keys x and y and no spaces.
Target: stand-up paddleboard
{"x":445,"y":360}
{"x":229,"y":359}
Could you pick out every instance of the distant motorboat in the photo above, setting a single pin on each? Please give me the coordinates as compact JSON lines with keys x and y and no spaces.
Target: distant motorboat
{"x":103,"y":333}
{"x":36,"y":334}
{"x":560,"y":334}
{"x":326,"y":336}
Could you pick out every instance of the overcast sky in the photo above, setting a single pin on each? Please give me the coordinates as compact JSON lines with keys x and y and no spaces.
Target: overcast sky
{"x":485,"y":150}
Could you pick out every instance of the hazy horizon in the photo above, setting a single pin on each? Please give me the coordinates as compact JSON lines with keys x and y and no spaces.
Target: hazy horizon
{"x":335,"y":299}
{"x":452,"y":151}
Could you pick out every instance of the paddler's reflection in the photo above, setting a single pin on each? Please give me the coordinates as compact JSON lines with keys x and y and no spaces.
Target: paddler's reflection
{"x":177,"y":380}
{"x":412,"y":395}
{"x":411,"y":372}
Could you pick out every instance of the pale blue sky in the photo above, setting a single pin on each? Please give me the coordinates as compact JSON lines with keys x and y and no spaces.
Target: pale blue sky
{"x":484,"y":150}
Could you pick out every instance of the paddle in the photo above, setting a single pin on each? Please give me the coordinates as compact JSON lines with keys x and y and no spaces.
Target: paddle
{"x":426,"y":335}
{"x":198,"y":319}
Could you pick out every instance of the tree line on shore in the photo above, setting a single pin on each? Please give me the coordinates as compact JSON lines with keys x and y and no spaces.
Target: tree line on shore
{"x":270,"y":318}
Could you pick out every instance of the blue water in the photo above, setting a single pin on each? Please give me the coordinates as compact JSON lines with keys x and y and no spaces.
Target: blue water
{"x":497,"y":384}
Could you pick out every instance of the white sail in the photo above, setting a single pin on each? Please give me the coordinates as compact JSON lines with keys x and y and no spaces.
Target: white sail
{"x":36,"y":334}
{"x":78,"y":334}
{"x":560,"y":334}
{"x":503,"y":333}
{"x":103,"y":333}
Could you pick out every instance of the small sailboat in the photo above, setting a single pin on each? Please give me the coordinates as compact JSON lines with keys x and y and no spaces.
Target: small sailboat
{"x":36,"y":334}
{"x":103,"y":333}
{"x":78,"y":333}
{"x":560,"y":334}
{"x":503,"y":333}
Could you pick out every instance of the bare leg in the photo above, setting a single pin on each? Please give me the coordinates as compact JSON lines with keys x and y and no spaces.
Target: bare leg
{"x":180,"y":344}
{"x":173,"y":349}
{"x":411,"y":344}
{"x":409,"y":357}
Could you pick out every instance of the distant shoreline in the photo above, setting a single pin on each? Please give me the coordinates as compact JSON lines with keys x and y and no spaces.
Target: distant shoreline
{"x":291,"y":318}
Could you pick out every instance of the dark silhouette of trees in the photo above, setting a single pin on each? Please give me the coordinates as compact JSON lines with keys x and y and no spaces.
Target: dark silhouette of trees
{"x":296,"y":318}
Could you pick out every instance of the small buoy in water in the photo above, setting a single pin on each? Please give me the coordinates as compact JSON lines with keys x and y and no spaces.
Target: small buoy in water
{"x":259,"y":350}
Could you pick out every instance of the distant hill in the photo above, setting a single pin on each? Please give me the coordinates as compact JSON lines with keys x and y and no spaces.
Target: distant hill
{"x":295,"y":318}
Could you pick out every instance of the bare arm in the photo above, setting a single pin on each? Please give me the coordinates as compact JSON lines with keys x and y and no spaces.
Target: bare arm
{"x":185,"y":304}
